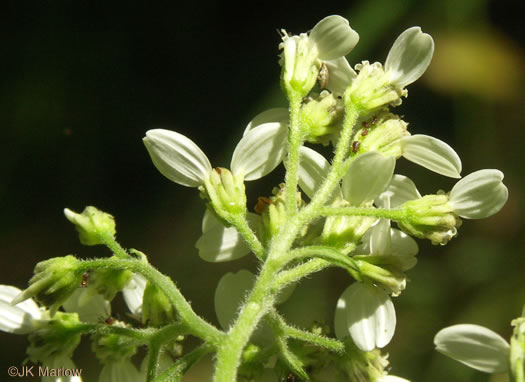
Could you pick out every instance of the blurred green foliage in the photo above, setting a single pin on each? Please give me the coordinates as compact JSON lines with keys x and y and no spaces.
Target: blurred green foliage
{"x":82,"y":83}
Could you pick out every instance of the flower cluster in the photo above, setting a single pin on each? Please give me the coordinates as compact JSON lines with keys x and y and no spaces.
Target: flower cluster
{"x":336,"y":212}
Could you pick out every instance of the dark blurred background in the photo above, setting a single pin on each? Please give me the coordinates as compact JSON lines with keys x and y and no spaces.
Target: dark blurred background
{"x":81,"y":83}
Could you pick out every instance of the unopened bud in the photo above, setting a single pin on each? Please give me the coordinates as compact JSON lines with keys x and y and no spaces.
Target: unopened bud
{"x":93,"y":225}
{"x":383,"y":133}
{"x":321,"y":117}
{"x":372,"y":89}
{"x":430,"y":217}
{"x":53,"y":282}
{"x":226,"y":192}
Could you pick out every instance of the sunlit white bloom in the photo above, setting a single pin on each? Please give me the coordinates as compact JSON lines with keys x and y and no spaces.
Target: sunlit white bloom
{"x":375,"y":87}
{"x":366,"y":313}
{"x":390,"y":245}
{"x":219,"y":243}
{"x":390,"y":136}
{"x":26,"y":318}
{"x":409,"y":57}
{"x":178,"y":158}
{"x":479,"y":195}
{"x":367,"y":176}
{"x":133,"y":294}
{"x":474,"y":346}
{"x":21,"y":318}
{"x":303,"y":55}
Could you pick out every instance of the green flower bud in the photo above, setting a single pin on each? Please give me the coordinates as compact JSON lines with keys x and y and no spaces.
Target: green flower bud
{"x":57,"y":337}
{"x":113,"y":347}
{"x":372,"y":89}
{"x":344,"y":232}
{"x":383,"y":133}
{"x":394,"y":281}
{"x":108,"y":282}
{"x":430,"y":217}
{"x":226,"y":192}
{"x":157,"y":309}
{"x":53,"y":282}
{"x":321,"y":117}
{"x":300,"y":64}
{"x":93,"y":225}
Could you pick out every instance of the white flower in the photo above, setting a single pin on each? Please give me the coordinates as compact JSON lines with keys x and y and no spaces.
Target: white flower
{"x":219,"y":243}
{"x":409,"y":57}
{"x":178,"y":158}
{"x":474,"y":346}
{"x":133,"y":294}
{"x":366,"y":313}
{"x":479,"y":195}
{"x":392,"y":245}
{"x":26,"y":317}
{"x":303,"y":55}
{"x":367,"y":176}
{"x":22,"y":318}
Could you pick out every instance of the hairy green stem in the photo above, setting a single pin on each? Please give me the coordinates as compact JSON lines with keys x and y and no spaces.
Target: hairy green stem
{"x":393,"y":214}
{"x":113,"y":245}
{"x":298,"y":272}
{"x":295,"y":141}
{"x":196,"y":325}
{"x":339,"y":168}
{"x":258,"y":303}
{"x":153,"y":359}
{"x":303,"y":335}
{"x":326,"y":253}
{"x":261,"y":299}
{"x":241,"y":224}
{"x":141,"y":336}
